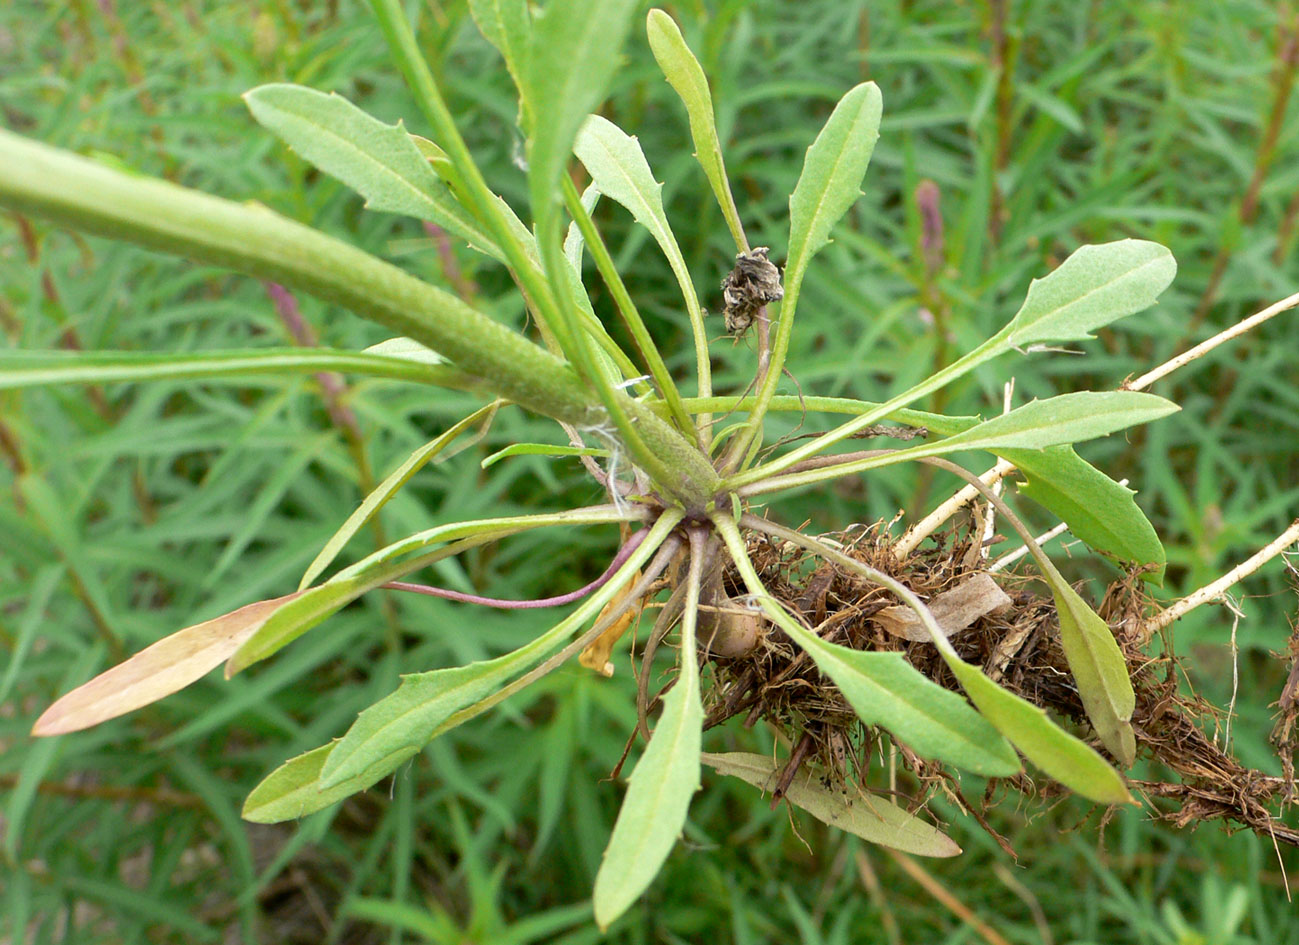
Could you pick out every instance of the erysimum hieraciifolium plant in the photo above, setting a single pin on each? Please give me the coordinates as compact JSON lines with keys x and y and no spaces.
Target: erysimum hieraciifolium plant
{"x":692,"y":484}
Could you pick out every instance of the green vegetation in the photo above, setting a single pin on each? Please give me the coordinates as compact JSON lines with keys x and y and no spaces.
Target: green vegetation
{"x":1008,"y":140}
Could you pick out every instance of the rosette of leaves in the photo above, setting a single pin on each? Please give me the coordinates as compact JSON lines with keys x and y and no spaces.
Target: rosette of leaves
{"x":683,"y":488}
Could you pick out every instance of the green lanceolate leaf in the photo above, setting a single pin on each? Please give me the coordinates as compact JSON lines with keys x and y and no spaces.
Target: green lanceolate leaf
{"x":885,"y":690}
{"x":686,"y":76}
{"x":654,"y":811}
{"x":869,"y":816}
{"x":293,"y":789}
{"x":1093,"y":287}
{"x":1068,"y":418}
{"x":618,"y":168}
{"x":1099,"y":669}
{"x":1097,"y":509}
{"x":378,"y":161}
{"x":390,"y":486}
{"x":572,"y":52}
{"x":1062,"y":756}
{"x":413,"y":714}
{"x":831,"y":179}
{"x":45,"y":368}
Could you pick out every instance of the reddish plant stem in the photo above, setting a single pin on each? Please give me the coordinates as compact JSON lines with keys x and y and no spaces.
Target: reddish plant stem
{"x":69,"y":339}
{"x":464,"y":287}
{"x":1004,"y":64}
{"x":1283,"y":81}
{"x":623,"y":554}
{"x":1286,"y":231}
{"x":165,"y":797}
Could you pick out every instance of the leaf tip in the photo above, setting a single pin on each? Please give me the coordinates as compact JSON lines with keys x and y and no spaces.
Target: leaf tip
{"x":51,"y":723}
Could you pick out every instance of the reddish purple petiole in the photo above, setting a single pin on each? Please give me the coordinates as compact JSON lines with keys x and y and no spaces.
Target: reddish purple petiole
{"x":623,"y":554}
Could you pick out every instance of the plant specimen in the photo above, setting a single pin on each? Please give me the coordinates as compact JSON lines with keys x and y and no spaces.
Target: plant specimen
{"x":916,"y":643}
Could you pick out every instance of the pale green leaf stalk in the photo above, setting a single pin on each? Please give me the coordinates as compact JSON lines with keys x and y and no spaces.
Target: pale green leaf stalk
{"x":574,"y":239}
{"x":572,"y":52}
{"x":654,"y":811}
{"x":1112,"y":281}
{"x":630,"y":315}
{"x":1098,"y":510}
{"x":617,"y":166}
{"x":391,"y":485}
{"x":51,"y":368}
{"x":1068,"y":418}
{"x":1056,"y":752}
{"x":380,"y":162}
{"x":686,"y":76}
{"x":873,"y":818}
{"x":830,"y":183}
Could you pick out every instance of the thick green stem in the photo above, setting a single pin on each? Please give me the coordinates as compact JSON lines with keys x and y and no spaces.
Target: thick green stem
{"x":405,"y":50}
{"x":86,"y":195}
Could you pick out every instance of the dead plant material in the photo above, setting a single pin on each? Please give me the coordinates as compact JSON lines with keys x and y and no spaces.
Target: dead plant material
{"x":1007,"y":624}
{"x":753,"y":283}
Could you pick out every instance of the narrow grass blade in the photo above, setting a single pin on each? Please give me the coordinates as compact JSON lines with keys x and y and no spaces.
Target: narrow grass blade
{"x":686,"y":76}
{"x":157,"y":671}
{"x":654,"y":811}
{"x":390,"y":486}
{"x":378,"y":161}
{"x":1093,"y":287}
{"x":871,"y":817}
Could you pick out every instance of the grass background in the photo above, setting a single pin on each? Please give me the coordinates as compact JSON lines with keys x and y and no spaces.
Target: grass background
{"x":128,"y":511}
